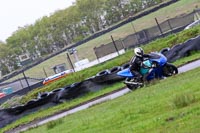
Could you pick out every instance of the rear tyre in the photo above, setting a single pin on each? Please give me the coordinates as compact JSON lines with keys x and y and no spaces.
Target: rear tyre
{"x":170,"y":70}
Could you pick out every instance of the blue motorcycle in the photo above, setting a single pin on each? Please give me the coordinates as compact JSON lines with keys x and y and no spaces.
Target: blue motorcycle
{"x":156,"y":66}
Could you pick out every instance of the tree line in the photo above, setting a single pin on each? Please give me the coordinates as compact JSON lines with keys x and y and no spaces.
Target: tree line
{"x":64,"y":27}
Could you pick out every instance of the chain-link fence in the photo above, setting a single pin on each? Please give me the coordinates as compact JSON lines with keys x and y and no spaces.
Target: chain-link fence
{"x":111,"y":47}
{"x":169,"y":26}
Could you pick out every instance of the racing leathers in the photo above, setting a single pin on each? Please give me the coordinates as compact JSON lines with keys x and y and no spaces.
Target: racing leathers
{"x":135,"y":65}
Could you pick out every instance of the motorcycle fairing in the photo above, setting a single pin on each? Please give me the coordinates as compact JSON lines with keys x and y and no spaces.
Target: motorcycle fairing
{"x":157,"y":72}
{"x":158,"y":57}
{"x":125,"y":73}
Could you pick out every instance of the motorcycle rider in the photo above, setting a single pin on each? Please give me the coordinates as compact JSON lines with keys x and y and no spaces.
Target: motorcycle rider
{"x":136,"y":63}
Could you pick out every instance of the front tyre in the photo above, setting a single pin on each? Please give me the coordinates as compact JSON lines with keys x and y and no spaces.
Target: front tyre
{"x":133,"y":84}
{"x":132,"y":87}
{"x":169,"y":70}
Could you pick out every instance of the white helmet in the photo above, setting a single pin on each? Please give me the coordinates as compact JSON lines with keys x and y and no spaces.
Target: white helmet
{"x":139,"y":52}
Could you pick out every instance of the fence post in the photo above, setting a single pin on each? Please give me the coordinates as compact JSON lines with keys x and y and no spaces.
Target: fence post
{"x":21,"y":83}
{"x":122,"y":42}
{"x":133,"y":27}
{"x":70,"y":62}
{"x":146,"y":36}
{"x":26,"y":80}
{"x":44,"y":72}
{"x":159,"y":26}
{"x":169,"y":25}
{"x":135,"y":32}
{"x":196,"y":14}
{"x":96,"y":54}
{"x":114,"y":45}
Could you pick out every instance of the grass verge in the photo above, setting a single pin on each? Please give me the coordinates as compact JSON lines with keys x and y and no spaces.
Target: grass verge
{"x":59,"y":108}
{"x":170,"y":106}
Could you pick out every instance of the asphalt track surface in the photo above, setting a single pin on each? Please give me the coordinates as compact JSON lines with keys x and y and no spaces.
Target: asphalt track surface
{"x":18,"y":85}
{"x":114,"y":95}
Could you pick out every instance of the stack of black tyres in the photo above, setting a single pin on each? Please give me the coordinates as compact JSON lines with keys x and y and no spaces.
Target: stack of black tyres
{"x":110,"y":75}
{"x":71,"y":91}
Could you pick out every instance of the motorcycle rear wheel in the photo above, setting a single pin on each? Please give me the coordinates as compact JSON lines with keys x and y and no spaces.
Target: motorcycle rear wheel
{"x":170,"y":70}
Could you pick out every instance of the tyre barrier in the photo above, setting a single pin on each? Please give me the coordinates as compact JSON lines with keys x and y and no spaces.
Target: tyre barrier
{"x":74,"y":85}
{"x":90,"y":86}
{"x":63,"y":94}
{"x":164,"y":51}
{"x":57,"y":94}
{"x":45,"y":98}
{"x":42,"y":95}
{"x":42,"y":99}
{"x":115,"y":69}
{"x":32,"y":104}
{"x":16,"y":109}
{"x":184,"y":49}
{"x":31,"y":101}
{"x":112,"y":77}
{"x":101,"y":76}
{"x":75,"y":90}
{"x":102,"y":73}
{"x":4,"y":118}
{"x":108,"y":76}
{"x":124,"y":66}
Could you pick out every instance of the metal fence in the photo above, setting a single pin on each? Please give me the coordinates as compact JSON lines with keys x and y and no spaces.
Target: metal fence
{"x":111,"y":47}
{"x":167,"y":27}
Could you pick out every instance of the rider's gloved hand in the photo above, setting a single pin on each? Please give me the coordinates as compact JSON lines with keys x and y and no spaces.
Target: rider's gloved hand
{"x":153,"y":65}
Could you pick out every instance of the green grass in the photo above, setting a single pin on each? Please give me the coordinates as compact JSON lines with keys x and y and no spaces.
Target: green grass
{"x":63,"y":106}
{"x":80,"y":76}
{"x":52,"y":124}
{"x":149,"y":109}
{"x":179,"y":8}
{"x":184,"y":60}
{"x":66,"y":105}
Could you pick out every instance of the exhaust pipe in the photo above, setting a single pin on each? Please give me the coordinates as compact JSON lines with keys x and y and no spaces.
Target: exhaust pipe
{"x":133,"y":83}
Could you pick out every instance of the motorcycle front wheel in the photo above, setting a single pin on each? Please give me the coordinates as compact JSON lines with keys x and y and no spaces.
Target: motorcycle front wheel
{"x":132,"y":84}
{"x":169,"y":70}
